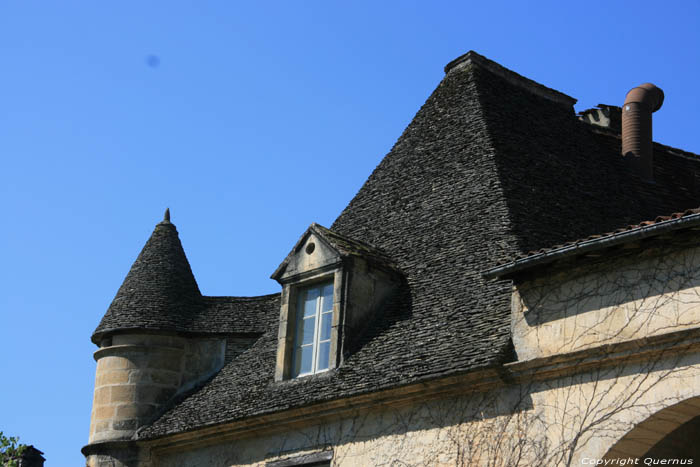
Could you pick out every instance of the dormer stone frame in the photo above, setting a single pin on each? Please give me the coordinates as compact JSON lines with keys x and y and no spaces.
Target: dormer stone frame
{"x":362,"y":277}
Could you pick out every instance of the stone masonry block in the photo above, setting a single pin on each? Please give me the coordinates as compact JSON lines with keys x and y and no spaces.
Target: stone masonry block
{"x":140,"y":376}
{"x":102,"y":426}
{"x":177,"y":342}
{"x":136,"y":359}
{"x":112,"y":377}
{"x":164,"y":361}
{"x":153,"y":394}
{"x":113,"y":363}
{"x":134,"y":411}
{"x":125,"y":424}
{"x":122,"y":393}
{"x":102,"y":396}
{"x":103,"y":412}
{"x":193,"y":365}
{"x":280,"y":364}
{"x":168,"y":378}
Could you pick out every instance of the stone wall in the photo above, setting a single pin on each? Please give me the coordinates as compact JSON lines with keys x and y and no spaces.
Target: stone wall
{"x":561,"y":421}
{"x":604,"y":351}
{"x":633,"y":296}
{"x":136,"y":373}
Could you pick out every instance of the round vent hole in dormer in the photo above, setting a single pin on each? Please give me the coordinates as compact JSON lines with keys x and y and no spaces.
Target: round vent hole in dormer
{"x":310,"y":248}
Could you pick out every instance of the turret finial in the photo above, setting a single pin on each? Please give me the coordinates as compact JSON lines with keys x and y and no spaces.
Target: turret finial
{"x":166,"y":218}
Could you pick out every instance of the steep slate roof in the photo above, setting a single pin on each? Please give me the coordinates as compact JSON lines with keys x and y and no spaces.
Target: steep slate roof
{"x":493,"y":165}
{"x":161,"y":294}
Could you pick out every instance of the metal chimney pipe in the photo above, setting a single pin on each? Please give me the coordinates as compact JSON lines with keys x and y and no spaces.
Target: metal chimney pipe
{"x":637,"y":145}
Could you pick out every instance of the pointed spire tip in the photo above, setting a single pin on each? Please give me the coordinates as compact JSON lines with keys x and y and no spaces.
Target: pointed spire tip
{"x":166,"y":218}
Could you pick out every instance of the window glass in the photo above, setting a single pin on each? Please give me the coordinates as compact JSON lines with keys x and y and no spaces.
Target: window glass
{"x":326,"y":321}
{"x":310,"y":302}
{"x":303,"y":360}
{"x":307,"y":331}
{"x":327,"y":293}
{"x":324,"y":349}
{"x":313,"y":330}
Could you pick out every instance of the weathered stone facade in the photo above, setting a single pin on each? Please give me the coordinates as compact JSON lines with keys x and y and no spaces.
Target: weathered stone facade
{"x":553,"y":407}
{"x":644,"y":293}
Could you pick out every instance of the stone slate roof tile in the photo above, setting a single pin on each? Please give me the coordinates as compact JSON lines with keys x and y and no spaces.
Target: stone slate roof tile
{"x":490,"y":167}
{"x":235,"y":315}
{"x":160,"y":294}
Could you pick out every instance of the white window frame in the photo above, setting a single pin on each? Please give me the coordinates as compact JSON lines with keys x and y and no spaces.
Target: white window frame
{"x":316,"y":341}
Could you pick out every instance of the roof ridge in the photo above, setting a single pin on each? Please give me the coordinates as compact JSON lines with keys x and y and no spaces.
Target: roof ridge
{"x":676,"y":151}
{"x":512,"y":77}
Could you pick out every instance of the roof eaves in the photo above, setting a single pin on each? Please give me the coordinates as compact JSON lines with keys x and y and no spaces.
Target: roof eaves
{"x":508,"y":270}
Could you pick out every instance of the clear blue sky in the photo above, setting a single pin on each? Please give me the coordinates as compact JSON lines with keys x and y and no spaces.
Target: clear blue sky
{"x":257,"y":120}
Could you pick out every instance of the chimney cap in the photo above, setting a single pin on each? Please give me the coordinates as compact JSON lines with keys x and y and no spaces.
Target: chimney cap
{"x":647,"y":94}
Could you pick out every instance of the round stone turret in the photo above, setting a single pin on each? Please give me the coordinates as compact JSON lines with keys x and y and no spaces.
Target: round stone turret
{"x":147,"y":352}
{"x":136,"y":373}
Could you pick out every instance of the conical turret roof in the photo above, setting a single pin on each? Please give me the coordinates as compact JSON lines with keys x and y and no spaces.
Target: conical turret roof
{"x":159,"y":292}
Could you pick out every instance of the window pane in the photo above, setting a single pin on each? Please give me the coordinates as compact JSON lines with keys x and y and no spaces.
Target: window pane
{"x":326,"y":319}
{"x":324,"y":350}
{"x":312,"y":345}
{"x":306,"y":331}
{"x":310,"y":298}
{"x":302,"y":360}
{"x":327,"y":293}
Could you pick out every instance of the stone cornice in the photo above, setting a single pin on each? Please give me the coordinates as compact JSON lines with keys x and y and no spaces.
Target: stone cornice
{"x":119,"y":350}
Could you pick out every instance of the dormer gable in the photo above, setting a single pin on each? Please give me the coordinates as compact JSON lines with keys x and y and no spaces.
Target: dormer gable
{"x":312,"y":253}
{"x":320,"y":248}
{"x":332,"y":287}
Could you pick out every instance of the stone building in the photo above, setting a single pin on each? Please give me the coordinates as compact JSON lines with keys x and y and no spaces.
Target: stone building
{"x":509,"y":287}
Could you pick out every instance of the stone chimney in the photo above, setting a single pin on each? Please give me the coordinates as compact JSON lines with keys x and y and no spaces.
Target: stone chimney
{"x":604,"y":116}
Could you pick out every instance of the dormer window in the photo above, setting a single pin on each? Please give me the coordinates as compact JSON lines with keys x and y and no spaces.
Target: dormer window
{"x":312,"y":342}
{"x":332,"y":286}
